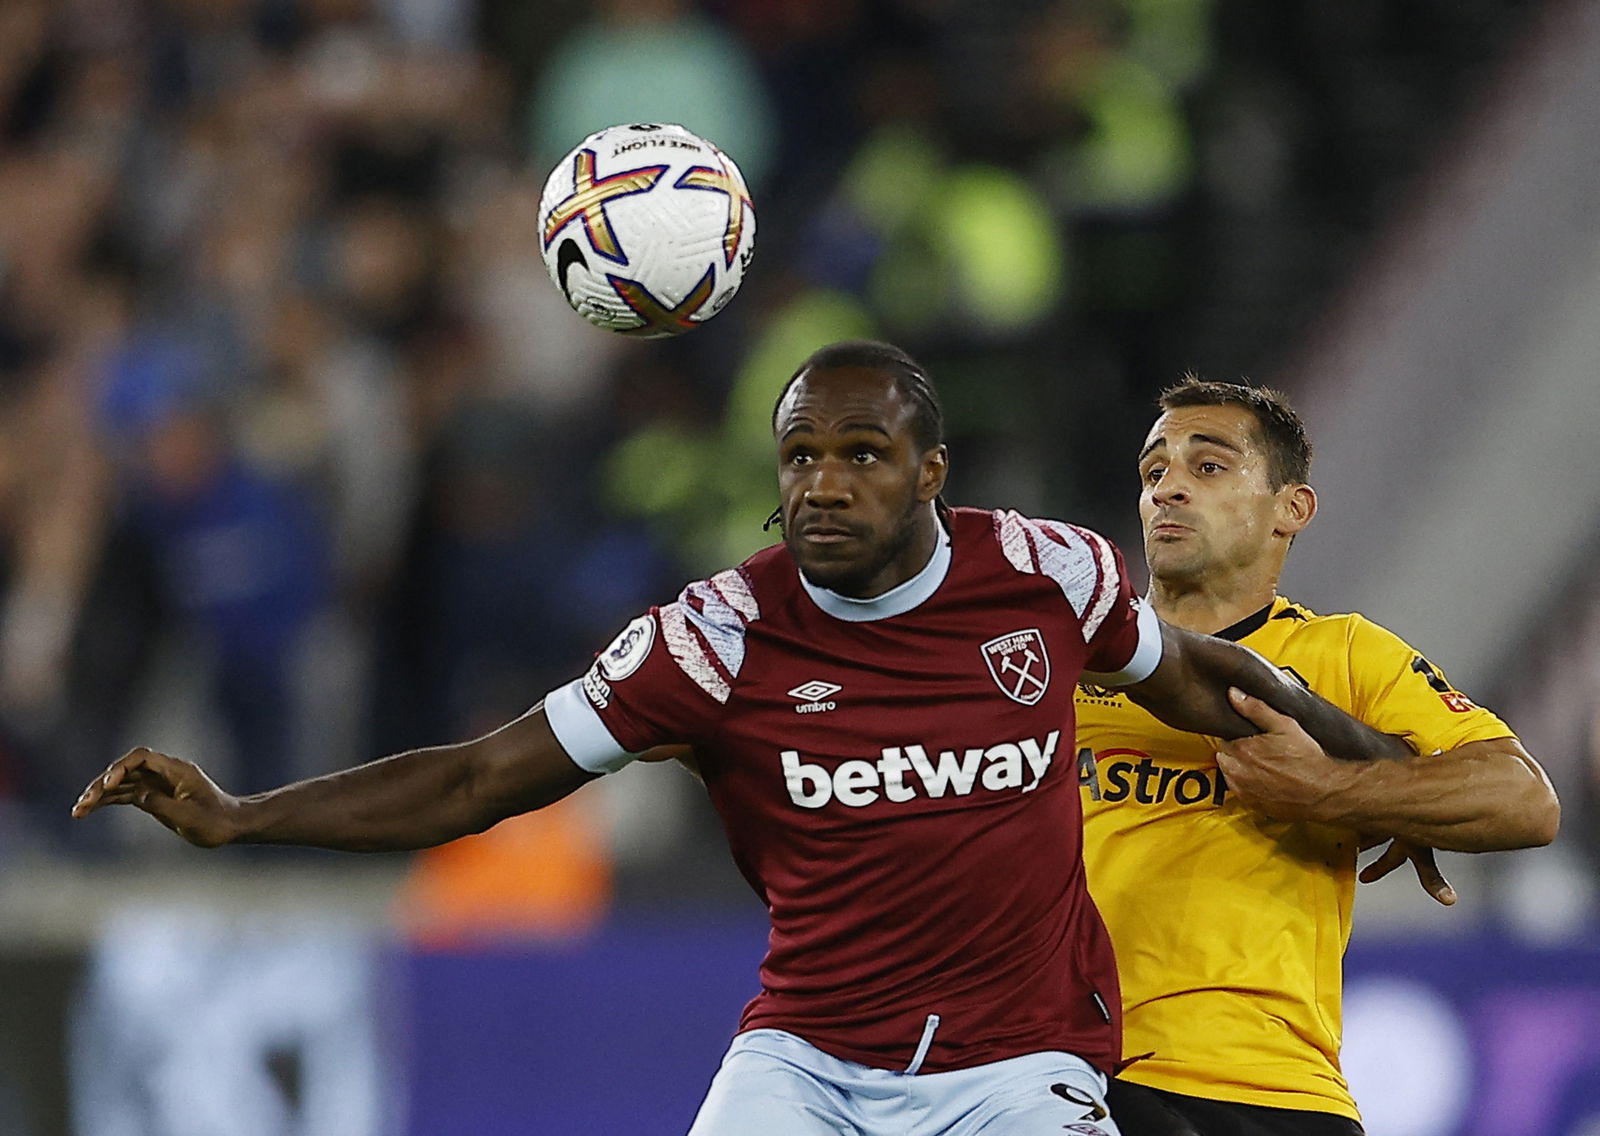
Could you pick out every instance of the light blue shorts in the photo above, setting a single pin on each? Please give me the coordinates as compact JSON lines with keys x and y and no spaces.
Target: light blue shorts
{"x":772,"y":1083}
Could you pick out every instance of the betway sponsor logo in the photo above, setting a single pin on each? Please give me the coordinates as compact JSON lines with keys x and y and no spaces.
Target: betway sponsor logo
{"x":904,"y":772}
{"x":1113,"y":775}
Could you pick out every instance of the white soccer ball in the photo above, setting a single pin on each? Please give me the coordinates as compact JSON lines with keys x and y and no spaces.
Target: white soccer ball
{"x":647,"y":229}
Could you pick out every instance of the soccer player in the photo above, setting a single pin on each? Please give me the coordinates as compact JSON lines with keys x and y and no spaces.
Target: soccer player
{"x":1226,"y":878}
{"x":881,"y":710}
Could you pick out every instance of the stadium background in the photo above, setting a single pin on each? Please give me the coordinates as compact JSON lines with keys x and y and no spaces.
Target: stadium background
{"x":303,"y":460}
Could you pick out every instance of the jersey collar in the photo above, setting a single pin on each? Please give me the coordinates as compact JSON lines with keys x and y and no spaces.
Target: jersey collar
{"x":897,"y":600}
{"x":1253,"y":622}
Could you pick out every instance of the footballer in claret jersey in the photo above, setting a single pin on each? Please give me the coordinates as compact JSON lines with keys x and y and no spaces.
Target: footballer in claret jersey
{"x":881,"y":708}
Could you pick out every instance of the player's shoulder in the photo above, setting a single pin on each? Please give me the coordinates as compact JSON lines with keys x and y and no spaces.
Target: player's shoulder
{"x":1286,"y":619}
{"x":731,"y":599}
{"x":1081,"y":566}
{"x":1286,"y":614}
{"x":1291,"y":612}
{"x":759,"y":583}
{"x":770,"y":573}
{"x":705,"y":629}
{"x":1034,"y":544}
{"x":1357,"y":632}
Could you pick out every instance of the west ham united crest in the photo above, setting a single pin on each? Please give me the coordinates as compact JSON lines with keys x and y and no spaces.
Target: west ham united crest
{"x":1019,"y":664}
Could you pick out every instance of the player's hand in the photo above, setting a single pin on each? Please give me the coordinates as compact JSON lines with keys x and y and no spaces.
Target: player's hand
{"x":1429,"y":877}
{"x":176,"y":792}
{"x":1280,"y":772}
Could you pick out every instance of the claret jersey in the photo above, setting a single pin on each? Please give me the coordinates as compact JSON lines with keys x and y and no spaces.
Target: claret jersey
{"x":1230,"y":927}
{"x":896,"y":780}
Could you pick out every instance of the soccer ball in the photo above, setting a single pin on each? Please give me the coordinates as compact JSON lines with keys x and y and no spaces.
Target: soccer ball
{"x":647,"y":229}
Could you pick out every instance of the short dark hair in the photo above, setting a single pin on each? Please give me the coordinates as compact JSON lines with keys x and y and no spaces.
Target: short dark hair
{"x":927,"y":420}
{"x":1281,"y":432}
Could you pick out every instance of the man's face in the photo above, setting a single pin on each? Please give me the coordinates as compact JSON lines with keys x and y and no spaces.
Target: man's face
{"x":855,"y":489}
{"x":1207,"y":503}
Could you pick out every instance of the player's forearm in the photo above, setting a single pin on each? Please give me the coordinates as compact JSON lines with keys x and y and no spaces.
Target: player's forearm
{"x":411,"y":800}
{"x":419,"y":798}
{"x":1189,"y":692}
{"x":1481,"y":797}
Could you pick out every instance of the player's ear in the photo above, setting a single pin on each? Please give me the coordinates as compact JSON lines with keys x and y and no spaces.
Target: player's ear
{"x":1297,"y":504}
{"x":935,"y":469}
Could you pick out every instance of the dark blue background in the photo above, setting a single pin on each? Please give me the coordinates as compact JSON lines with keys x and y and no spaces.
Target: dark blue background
{"x":622,"y":1033}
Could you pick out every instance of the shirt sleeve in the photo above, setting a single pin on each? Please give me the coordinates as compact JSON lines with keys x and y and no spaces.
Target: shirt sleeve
{"x":1396,"y":689}
{"x":641,"y":692}
{"x":1146,"y":654}
{"x":1121,"y":634}
{"x":1121,"y":631}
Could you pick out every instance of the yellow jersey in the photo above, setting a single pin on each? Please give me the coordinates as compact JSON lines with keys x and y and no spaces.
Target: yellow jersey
{"x":1230,"y":928}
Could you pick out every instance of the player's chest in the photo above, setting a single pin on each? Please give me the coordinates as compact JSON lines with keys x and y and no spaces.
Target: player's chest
{"x":923,"y":716}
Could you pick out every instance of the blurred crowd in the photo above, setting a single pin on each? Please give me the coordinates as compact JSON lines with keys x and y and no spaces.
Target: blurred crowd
{"x":287,"y":409}
{"x":295,"y":430}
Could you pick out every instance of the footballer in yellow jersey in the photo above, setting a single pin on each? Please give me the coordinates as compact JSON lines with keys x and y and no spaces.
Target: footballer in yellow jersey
{"x":1226,"y":872}
{"x":1230,"y":927}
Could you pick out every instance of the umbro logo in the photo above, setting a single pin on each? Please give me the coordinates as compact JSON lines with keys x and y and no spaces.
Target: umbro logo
{"x":813,"y":696}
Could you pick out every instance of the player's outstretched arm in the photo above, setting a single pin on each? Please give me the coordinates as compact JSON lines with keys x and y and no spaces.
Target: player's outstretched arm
{"x":1189,"y":690}
{"x":411,"y":800}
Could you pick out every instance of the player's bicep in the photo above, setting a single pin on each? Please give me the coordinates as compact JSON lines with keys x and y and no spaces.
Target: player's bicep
{"x":1167,"y":680}
{"x":522,"y":766}
{"x":1175,"y":690}
{"x":1188,"y":689}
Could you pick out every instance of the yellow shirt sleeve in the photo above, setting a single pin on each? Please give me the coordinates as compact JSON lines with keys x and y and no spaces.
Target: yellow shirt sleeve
{"x":1398,"y":690}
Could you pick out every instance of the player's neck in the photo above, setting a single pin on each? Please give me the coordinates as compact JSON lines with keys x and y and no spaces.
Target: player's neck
{"x":927,"y":537}
{"x":1209,"y":606}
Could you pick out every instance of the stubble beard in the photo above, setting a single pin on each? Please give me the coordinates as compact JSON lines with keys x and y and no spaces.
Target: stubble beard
{"x":1175,"y":570}
{"x":853,"y":579}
